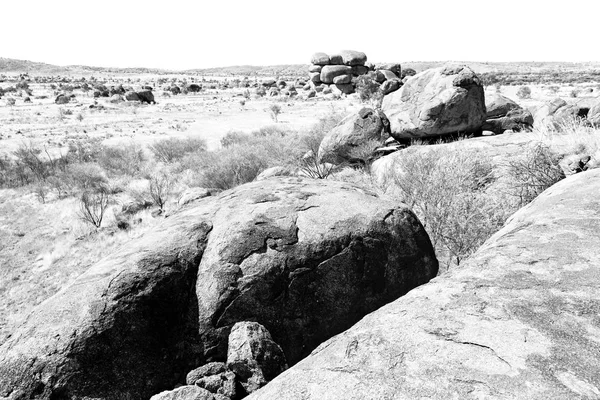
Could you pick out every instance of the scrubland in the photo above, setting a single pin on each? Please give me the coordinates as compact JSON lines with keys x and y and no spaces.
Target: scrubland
{"x":77,"y":180}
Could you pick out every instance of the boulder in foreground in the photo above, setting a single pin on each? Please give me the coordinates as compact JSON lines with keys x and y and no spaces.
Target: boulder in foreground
{"x":281,"y":252}
{"x":518,"y":321}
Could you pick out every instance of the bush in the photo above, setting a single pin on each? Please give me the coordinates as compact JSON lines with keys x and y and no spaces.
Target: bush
{"x":174,"y":149}
{"x":93,"y":205}
{"x":274,"y":111}
{"x":122,"y":160}
{"x":524,"y":92}
{"x":232,"y":138}
{"x":159,"y":188}
{"x":534,"y":172}
{"x":449,"y":194}
{"x":369,"y":91}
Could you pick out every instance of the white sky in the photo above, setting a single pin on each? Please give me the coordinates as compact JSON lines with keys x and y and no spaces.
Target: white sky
{"x":180,"y":34}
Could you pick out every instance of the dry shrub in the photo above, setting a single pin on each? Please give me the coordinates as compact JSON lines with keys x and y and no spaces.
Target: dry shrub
{"x":533,"y":172}
{"x":450,"y":194}
{"x":93,"y":206}
{"x":174,"y":149}
{"x":125,"y":159}
{"x":159,"y":188}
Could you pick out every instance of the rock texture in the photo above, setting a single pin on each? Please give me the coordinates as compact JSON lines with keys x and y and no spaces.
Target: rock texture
{"x":498,"y":105}
{"x":353,"y":131}
{"x":518,"y":321}
{"x":253,"y":355}
{"x":185,"y":393}
{"x":281,"y":252}
{"x":436,"y":102}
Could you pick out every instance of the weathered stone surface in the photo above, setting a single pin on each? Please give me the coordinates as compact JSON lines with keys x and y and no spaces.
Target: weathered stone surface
{"x":319,"y":59}
{"x":192,"y":194}
{"x":331,"y":71}
{"x":390,"y":86}
{"x":315,"y":77}
{"x":388,"y":75}
{"x":253,"y":355}
{"x":352,"y":131}
{"x":498,"y":105}
{"x":394,"y":67}
{"x":281,"y":252}
{"x":358,"y":70}
{"x":146,"y":96}
{"x":553,"y":113}
{"x":336,"y":59}
{"x":594,"y":114}
{"x":518,"y":321}
{"x":213,"y":368}
{"x":62,"y":99}
{"x":346,"y":88}
{"x":435,"y":102}
{"x":132,"y":96}
{"x":185,"y":393}
{"x":276,"y":171}
{"x":352,"y":57}
{"x":342,"y":79}
{"x":315,"y":68}
{"x":517,"y":120}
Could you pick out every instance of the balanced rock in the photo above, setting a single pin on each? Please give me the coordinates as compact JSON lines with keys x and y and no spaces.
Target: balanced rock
{"x":281,"y":252}
{"x":336,"y":59}
{"x":253,"y":355}
{"x":331,"y":71}
{"x":436,"y":102}
{"x":351,"y":57}
{"x":519,"y":320}
{"x":352,"y":131}
{"x":320,"y":59}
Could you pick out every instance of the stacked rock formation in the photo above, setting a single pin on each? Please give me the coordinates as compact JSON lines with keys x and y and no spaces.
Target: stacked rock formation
{"x":339,"y":71}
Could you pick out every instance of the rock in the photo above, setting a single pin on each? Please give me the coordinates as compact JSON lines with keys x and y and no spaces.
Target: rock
{"x":132,"y":96}
{"x":315,"y":68}
{"x":253,"y":355}
{"x":498,"y":105}
{"x":133,"y":206}
{"x":281,"y":84}
{"x":436,"y":102}
{"x":358,"y":70}
{"x":377,"y":76}
{"x":390,"y":86}
{"x":336,"y":59}
{"x":517,"y":120}
{"x":320,"y":88}
{"x":116,"y":98}
{"x":311,"y":94}
{"x":320,"y":59}
{"x":213,"y":368}
{"x":273,"y":92}
{"x":281,"y":252}
{"x":331,"y":71}
{"x":519,"y":320}
{"x":388,"y":75}
{"x":267,"y":83}
{"x":326,"y":90}
{"x":351,"y":57}
{"x":394,"y":67}
{"x":346,"y":88}
{"x":211,"y":383}
{"x":307,"y":86}
{"x":352,"y":131}
{"x":62,"y":99}
{"x":315,"y":77}
{"x":192,"y":194}
{"x":274,"y":172}
{"x":342,"y":79}
{"x":146,"y":96}
{"x":594,"y":114}
{"x":185,"y":393}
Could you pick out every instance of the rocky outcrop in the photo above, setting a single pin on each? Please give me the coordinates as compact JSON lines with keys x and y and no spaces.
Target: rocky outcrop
{"x":436,"y":102}
{"x":281,"y":252}
{"x":557,"y":112}
{"x":498,"y":105}
{"x":518,"y":321}
{"x":352,"y":131}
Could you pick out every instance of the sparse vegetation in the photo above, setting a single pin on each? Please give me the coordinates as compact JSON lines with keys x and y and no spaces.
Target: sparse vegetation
{"x":93,"y":205}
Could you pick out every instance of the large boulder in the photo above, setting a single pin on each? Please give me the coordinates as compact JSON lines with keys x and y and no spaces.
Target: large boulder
{"x":436,"y":102}
{"x":516,"y":120}
{"x":281,"y":252}
{"x":390,"y":86}
{"x":396,"y":68}
{"x":132,"y":96}
{"x":186,"y":393}
{"x":352,"y":57}
{"x":518,"y":321}
{"x":146,"y":96}
{"x":557,"y":112}
{"x":352,"y":131}
{"x":331,"y":71}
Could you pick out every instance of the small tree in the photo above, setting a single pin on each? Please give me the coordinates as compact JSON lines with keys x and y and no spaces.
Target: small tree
{"x":93,"y":205}
{"x":159,"y":188}
{"x":369,"y":91}
{"x":275,"y":110}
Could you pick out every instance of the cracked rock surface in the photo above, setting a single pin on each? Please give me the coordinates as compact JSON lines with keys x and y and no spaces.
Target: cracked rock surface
{"x":520,"y":320}
{"x":438,"y":101}
{"x":306,"y":259}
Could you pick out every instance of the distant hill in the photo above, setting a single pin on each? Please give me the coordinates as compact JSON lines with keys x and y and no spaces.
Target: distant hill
{"x":22,"y":66}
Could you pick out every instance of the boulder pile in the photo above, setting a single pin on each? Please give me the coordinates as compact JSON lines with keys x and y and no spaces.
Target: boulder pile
{"x":338,"y":72}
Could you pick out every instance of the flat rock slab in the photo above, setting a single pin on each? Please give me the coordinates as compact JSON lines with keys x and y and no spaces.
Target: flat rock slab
{"x":305,"y":258}
{"x":520,"y":320}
